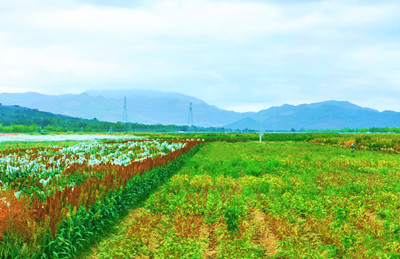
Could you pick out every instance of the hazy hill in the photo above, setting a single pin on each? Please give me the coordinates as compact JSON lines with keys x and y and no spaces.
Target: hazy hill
{"x":143,"y":106}
{"x":154,"y":107}
{"x":322,"y":115}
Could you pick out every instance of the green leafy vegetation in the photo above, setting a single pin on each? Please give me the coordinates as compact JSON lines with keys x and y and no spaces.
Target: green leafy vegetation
{"x":278,"y":199}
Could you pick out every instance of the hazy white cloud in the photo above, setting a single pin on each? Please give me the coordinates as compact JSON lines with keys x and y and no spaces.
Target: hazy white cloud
{"x":234,"y":54}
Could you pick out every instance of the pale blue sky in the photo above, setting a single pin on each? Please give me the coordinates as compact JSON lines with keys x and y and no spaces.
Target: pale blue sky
{"x":239,"y":55}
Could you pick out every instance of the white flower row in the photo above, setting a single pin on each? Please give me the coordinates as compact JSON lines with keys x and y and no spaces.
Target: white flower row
{"x":15,"y":165}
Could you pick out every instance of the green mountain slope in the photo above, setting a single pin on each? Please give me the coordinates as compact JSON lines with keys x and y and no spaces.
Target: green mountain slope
{"x":14,"y":118}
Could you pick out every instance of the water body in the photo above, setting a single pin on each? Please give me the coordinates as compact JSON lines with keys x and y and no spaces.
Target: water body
{"x":76,"y":137}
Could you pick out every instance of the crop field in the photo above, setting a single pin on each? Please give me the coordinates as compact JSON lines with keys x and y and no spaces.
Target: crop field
{"x":54,"y":199}
{"x":293,"y":196}
{"x":258,"y":200}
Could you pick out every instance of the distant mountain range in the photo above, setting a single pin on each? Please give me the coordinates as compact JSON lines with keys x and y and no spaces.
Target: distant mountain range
{"x":154,"y":107}
{"x":322,"y":115}
{"x":143,"y":106}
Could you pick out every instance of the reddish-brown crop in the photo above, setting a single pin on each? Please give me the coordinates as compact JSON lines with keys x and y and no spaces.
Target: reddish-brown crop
{"x":21,"y":217}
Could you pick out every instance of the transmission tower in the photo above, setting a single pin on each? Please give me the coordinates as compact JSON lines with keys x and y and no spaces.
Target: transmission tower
{"x":190,"y":121}
{"x":125,"y":112}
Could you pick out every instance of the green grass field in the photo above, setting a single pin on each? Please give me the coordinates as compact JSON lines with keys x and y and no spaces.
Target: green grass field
{"x":276,"y":199}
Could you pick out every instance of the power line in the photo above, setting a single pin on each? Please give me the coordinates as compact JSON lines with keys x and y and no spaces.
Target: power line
{"x":190,"y":121}
{"x":125,"y":112}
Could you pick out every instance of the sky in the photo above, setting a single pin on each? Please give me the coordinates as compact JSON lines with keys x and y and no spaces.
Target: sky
{"x":242,"y":55}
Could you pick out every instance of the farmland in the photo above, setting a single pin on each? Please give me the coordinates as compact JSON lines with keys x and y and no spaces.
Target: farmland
{"x":295,"y":195}
{"x":54,"y":200}
{"x":252,"y":200}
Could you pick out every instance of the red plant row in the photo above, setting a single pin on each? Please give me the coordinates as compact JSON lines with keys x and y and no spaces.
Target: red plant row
{"x":24,"y":217}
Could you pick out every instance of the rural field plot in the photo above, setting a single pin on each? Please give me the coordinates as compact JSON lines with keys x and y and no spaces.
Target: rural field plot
{"x":257,"y":200}
{"x":54,"y":200}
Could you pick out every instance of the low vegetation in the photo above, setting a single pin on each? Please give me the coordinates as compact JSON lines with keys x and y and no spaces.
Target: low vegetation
{"x":313,"y":195}
{"x":378,"y":142}
{"x":252,"y":200}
